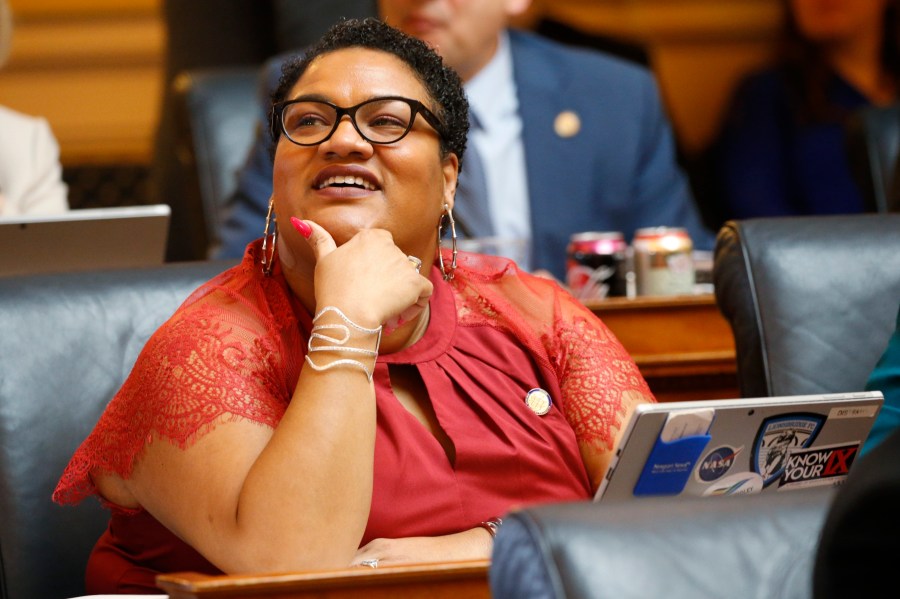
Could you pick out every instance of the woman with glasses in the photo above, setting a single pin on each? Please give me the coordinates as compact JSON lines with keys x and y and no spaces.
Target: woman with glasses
{"x":353,"y":392}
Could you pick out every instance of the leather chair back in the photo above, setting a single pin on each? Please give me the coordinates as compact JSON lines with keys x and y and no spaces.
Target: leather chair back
{"x":216,"y":111}
{"x":811,"y":301}
{"x":873,"y":147}
{"x":741,"y":546}
{"x":67,"y":342}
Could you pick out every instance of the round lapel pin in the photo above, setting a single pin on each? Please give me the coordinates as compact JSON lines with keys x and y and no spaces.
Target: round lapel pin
{"x":538,"y":401}
{"x":567,"y":124}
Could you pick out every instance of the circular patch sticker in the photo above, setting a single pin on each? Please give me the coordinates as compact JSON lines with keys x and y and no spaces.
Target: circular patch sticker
{"x":539,"y":401}
{"x":716,"y":463}
{"x":739,"y":483}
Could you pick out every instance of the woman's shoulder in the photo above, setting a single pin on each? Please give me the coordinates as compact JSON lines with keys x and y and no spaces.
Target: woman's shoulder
{"x":10,"y":117}
{"x":17,"y":125}
{"x":23,"y":135}
{"x":494,"y":271}
{"x":500,"y":289}
{"x":760,"y":100}
{"x":761,"y":84}
{"x":239,"y":300}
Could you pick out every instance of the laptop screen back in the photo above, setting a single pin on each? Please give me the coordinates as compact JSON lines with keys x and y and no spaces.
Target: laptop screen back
{"x":88,"y":239}
{"x":726,"y":447}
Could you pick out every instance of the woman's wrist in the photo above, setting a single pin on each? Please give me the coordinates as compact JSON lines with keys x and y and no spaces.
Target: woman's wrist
{"x":337,"y":341}
{"x":492,"y":526}
{"x":361,"y":313}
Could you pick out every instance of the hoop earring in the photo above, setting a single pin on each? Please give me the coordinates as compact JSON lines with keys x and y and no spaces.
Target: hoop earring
{"x":447,"y":272}
{"x":269,"y":262}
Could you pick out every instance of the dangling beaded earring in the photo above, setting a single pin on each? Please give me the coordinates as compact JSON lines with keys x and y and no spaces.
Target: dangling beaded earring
{"x":268,"y":262}
{"x":448,"y":213}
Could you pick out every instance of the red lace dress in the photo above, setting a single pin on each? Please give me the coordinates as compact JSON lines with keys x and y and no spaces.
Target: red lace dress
{"x":234,"y":349}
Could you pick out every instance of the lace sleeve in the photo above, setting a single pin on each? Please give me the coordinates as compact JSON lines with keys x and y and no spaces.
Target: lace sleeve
{"x":599,"y":380}
{"x":214,"y":359}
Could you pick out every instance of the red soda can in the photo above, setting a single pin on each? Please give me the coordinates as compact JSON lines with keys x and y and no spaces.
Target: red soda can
{"x":596,"y":265}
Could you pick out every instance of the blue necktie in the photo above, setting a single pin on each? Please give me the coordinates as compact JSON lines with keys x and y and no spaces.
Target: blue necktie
{"x":471,"y":211}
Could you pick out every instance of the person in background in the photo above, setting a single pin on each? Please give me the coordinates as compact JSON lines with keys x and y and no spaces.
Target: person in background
{"x":886,"y":378}
{"x":860,"y":539}
{"x":30,"y":172}
{"x":861,"y":535}
{"x":565,"y":140}
{"x":352,"y":392}
{"x":781,"y":149}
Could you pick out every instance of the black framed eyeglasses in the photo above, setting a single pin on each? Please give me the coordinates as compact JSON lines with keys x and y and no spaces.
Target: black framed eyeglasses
{"x":383,"y":120}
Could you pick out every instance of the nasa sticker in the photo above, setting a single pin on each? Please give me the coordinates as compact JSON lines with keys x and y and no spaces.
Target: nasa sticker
{"x":776,"y":437}
{"x":716,"y":463}
{"x":539,"y":401}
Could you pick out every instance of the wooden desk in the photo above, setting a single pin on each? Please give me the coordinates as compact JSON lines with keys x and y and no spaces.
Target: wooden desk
{"x":449,"y":580}
{"x":683,"y":345}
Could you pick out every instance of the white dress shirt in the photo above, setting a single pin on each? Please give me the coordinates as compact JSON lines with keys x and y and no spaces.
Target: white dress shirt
{"x":492,"y":97}
{"x":30,"y":172}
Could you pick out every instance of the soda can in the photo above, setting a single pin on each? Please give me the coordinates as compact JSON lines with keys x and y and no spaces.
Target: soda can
{"x":596,"y":265}
{"x":663,"y":261}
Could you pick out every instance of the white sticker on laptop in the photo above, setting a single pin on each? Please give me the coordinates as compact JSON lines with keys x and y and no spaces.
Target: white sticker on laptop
{"x":687,"y":424}
{"x":818,"y":466}
{"x":739,"y":483}
{"x":853,"y":412}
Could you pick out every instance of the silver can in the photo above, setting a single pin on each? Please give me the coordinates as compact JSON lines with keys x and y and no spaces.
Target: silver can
{"x":663,"y":261}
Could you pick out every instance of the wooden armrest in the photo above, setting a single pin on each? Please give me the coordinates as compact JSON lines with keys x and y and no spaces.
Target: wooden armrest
{"x":443,"y":580}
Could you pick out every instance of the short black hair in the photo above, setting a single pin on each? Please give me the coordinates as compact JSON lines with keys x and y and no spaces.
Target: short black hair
{"x":440,"y":81}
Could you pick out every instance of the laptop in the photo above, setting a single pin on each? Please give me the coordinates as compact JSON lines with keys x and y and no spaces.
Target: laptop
{"x":739,"y":446}
{"x":86,"y":239}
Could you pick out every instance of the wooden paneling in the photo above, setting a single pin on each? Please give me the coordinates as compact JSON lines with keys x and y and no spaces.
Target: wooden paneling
{"x":25,"y":9}
{"x":99,"y":115}
{"x":93,"y":68}
{"x":683,"y":345}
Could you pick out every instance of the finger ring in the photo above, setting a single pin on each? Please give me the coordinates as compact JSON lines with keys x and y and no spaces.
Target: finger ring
{"x":416,"y":262}
{"x":372,"y":563}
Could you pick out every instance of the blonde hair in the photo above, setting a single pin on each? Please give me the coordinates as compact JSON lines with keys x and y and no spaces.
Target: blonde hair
{"x":5,"y":30}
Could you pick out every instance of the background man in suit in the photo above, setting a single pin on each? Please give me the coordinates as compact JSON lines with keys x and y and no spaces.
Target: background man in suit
{"x":569,"y":140}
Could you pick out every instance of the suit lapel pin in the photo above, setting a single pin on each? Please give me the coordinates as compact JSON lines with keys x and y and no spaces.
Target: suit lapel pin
{"x":538,"y":401}
{"x":567,"y":124}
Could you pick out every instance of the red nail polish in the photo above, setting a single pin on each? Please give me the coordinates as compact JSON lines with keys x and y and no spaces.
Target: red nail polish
{"x":301,"y":226}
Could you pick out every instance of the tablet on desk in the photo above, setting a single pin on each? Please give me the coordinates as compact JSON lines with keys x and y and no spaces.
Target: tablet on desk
{"x":88,"y":239}
{"x":739,"y":446}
